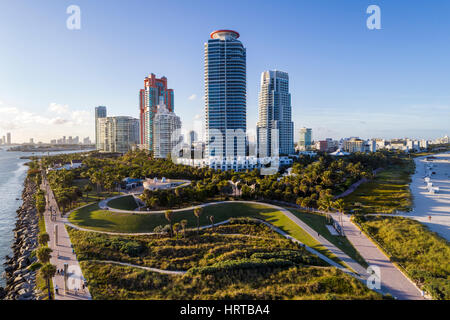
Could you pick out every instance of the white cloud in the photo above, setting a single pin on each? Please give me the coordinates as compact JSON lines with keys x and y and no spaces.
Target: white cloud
{"x":192,"y":96}
{"x":58,"y":108}
{"x":57,"y":120}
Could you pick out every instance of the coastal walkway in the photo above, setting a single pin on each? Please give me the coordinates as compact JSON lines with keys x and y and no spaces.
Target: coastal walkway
{"x":392,"y":279}
{"x":62,"y":251}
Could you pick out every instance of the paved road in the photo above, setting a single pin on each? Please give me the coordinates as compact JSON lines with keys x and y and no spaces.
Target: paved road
{"x":393,"y":281}
{"x":62,"y":252}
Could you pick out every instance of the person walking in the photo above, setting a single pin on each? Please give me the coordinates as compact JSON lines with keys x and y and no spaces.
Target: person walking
{"x":56,"y":289}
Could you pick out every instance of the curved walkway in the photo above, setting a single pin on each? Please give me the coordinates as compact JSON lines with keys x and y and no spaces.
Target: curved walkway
{"x":393,"y":280}
{"x":140,"y":267}
{"x":284,"y":234}
{"x":355,"y":266}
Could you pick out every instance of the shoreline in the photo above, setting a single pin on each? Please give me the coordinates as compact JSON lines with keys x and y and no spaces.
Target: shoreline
{"x":425,"y":204}
{"x":21,"y":281}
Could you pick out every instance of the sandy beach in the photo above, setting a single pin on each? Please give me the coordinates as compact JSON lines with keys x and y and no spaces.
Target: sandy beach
{"x":427,"y":204}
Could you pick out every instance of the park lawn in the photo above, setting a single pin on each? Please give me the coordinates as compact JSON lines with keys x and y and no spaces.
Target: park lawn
{"x":423,"y":253}
{"x":243,"y":259}
{"x":318,"y":223}
{"x":387,"y":193}
{"x":123,"y":203}
{"x":96,"y":219}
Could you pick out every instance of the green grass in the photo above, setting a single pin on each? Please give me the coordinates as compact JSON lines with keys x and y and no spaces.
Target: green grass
{"x":112,"y":282}
{"x":387,"y":193}
{"x":318,"y":223}
{"x":93,"y":218}
{"x":240,"y":260}
{"x":424,"y":255}
{"x":123,"y":203}
{"x":233,"y":241}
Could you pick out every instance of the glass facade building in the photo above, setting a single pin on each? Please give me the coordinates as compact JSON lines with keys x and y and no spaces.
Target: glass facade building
{"x":305,"y":140}
{"x":275,"y":129}
{"x":100,"y":112}
{"x":225,"y":95}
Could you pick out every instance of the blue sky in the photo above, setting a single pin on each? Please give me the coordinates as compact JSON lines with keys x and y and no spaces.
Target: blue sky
{"x":345,"y":80}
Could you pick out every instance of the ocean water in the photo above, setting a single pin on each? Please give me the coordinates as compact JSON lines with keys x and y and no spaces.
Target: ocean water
{"x":12,"y":175}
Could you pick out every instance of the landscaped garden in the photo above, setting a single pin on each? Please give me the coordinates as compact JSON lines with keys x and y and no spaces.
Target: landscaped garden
{"x":240,"y":260}
{"x":388,"y":192}
{"x":92,"y":217}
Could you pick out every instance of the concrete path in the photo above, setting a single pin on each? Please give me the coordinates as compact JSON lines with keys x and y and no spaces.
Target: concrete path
{"x":62,"y":252}
{"x":393,"y":281}
{"x":355,"y":266}
{"x":140,"y":267}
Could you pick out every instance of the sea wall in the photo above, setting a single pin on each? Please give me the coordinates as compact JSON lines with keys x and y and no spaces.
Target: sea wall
{"x":20,"y":281}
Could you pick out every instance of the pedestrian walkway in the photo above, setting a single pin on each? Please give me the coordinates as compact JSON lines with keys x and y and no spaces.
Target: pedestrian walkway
{"x":393,"y":281}
{"x":62,"y":252}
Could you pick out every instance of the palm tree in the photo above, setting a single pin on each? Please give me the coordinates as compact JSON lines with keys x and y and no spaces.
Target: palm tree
{"x":198,"y":212}
{"x":169,"y":216}
{"x":339,"y":205}
{"x":183,"y":225}
{"x":43,"y":238}
{"x":44,"y":254}
{"x":87,"y":189}
{"x":176,"y":228}
{"x":48,"y":271}
{"x":211,"y":218}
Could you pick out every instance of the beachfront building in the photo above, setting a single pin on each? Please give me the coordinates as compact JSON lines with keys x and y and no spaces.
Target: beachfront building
{"x":225,"y":97}
{"x":100,"y":112}
{"x":275,"y":129}
{"x":117,"y":134}
{"x":353,"y":145}
{"x":166,"y":131}
{"x":305,"y":141}
{"x":154,"y":90}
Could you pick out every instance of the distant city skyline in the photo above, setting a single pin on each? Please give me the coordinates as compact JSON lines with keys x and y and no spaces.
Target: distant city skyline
{"x":345,"y":80}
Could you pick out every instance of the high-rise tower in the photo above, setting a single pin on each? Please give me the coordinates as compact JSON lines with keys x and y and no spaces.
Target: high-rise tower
{"x":225,"y":95}
{"x":100,"y":112}
{"x":154,"y":91}
{"x":275,"y":128}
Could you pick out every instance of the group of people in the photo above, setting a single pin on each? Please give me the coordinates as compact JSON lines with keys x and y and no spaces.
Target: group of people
{"x":75,"y":290}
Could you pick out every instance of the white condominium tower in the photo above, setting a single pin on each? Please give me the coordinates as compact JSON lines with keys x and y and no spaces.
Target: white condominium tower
{"x":117,"y":134}
{"x":100,"y":112}
{"x":275,"y":129}
{"x":166,"y":131}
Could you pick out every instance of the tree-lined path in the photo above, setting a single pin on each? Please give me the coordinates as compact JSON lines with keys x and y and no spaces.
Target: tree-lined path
{"x":62,"y":251}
